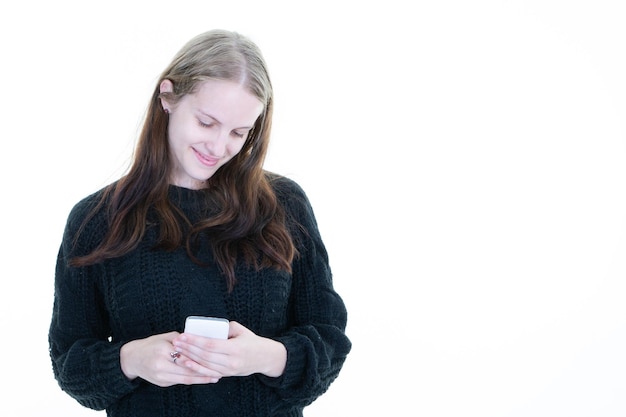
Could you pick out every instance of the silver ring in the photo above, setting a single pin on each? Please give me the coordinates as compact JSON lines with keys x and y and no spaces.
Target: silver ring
{"x":175,"y":355}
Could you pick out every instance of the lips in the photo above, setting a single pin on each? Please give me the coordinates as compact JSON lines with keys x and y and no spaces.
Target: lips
{"x":206,"y":160}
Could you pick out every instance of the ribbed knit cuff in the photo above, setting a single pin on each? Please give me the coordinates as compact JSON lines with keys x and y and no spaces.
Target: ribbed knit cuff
{"x":108,"y":386}
{"x":118,"y":384}
{"x":294,"y":368}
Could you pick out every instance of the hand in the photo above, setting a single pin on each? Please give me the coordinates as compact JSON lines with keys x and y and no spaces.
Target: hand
{"x":150,"y":359}
{"x":244,"y":353}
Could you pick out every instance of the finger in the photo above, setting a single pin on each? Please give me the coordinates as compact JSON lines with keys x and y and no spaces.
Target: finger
{"x":169,"y":337}
{"x":175,"y":361}
{"x":196,"y":362}
{"x":197,"y":346}
{"x":235,"y":329}
{"x":205,"y":359}
{"x":180,"y":365}
{"x":174,"y":355}
{"x":199,"y":370}
{"x":193,"y":339}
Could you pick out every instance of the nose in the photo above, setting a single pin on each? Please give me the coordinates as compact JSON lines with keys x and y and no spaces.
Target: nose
{"x":216,"y":144}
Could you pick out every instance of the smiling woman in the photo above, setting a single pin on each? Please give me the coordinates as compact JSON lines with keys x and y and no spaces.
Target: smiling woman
{"x":198,"y":228}
{"x":207,"y":128}
{"x":466,"y":165}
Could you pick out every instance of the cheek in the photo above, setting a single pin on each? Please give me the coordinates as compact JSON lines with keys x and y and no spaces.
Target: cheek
{"x":175,"y":132}
{"x":235,"y":147}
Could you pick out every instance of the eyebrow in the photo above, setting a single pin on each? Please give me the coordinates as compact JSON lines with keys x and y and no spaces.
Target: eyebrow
{"x":218,"y":121}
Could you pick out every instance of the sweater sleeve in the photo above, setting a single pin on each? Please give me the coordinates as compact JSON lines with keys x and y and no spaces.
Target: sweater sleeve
{"x":316,"y":343}
{"x":85,"y":361}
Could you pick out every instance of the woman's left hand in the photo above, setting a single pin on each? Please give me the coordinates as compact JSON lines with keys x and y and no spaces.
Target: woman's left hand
{"x":243,"y":353}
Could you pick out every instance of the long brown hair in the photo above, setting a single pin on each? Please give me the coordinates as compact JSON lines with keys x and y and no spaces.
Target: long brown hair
{"x":249,"y":221}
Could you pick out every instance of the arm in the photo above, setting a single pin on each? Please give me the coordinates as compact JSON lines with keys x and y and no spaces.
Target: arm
{"x":316,"y":343}
{"x":85,"y":363}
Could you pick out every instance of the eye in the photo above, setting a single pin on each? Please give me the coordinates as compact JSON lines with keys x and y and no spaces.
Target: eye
{"x":202,"y":124}
{"x":239,"y":134}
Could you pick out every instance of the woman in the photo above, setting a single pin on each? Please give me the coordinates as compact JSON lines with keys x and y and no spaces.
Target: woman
{"x":197,"y":227}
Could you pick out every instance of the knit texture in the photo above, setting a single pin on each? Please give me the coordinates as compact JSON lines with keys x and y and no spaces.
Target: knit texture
{"x":150,"y":291}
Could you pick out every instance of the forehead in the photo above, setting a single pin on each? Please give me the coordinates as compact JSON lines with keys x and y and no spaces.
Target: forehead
{"x":227,"y":99}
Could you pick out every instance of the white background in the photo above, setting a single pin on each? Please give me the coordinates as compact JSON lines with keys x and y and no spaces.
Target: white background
{"x":466,"y":161}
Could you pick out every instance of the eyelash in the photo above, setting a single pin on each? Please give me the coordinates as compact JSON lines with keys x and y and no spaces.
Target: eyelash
{"x":239,"y":135}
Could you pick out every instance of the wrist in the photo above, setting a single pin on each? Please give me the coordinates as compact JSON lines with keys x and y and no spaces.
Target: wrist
{"x":126,"y":362}
{"x":278,"y":359}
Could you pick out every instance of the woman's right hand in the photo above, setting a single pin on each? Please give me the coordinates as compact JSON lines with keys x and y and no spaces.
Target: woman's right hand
{"x":151,"y":360}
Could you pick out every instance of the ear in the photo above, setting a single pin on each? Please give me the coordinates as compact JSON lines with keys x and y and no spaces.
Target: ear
{"x":166,"y":86}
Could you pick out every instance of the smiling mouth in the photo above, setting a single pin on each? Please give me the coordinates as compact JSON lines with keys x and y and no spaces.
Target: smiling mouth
{"x":206,"y":160}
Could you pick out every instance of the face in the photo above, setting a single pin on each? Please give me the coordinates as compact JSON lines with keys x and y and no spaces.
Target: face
{"x":207,"y":129}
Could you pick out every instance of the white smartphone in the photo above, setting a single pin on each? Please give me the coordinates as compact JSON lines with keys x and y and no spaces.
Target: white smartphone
{"x":214,"y":327}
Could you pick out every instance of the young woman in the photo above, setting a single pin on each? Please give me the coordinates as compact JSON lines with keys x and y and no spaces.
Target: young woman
{"x":198,"y":228}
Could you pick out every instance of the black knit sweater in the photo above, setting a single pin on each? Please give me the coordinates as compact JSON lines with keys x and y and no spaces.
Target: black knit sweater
{"x":149,"y":291}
